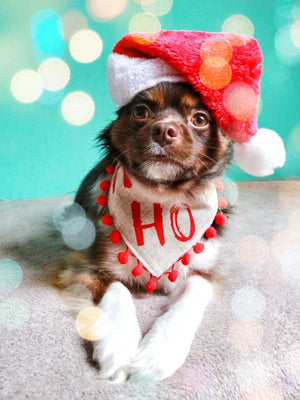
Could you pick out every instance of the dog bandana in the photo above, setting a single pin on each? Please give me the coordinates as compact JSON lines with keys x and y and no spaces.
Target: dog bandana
{"x":157,"y":231}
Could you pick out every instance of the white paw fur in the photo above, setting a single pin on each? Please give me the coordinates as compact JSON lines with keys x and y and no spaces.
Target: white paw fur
{"x":166,"y":346}
{"x":115,"y":350}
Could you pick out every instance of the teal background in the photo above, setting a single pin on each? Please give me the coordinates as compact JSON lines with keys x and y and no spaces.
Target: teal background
{"x":43,"y":155}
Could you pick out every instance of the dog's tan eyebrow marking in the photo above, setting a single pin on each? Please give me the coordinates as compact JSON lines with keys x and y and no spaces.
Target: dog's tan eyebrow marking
{"x":156,"y":96}
{"x":189,"y":101}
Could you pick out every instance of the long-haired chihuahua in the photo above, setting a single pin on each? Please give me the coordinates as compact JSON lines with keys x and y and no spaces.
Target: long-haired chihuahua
{"x":152,"y":200}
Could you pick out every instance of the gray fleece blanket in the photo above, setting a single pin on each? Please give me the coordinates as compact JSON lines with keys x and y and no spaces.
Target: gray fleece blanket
{"x":247,"y":347}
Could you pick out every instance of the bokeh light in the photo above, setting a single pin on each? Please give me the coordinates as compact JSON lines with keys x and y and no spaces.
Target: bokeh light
{"x":246,"y":336}
{"x":286,"y":250}
{"x":78,"y":108}
{"x":295,"y":33}
{"x":238,"y":23}
{"x":294,"y":220}
{"x":157,"y":7}
{"x":92,"y":324}
{"x":76,"y":295}
{"x":106,"y":9}
{"x":26,"y":86}
{"x":230,"y":191}
{"x":284,"y":240}
{"x":215,"y":77}
{"x":143,"y":22}
{"x":55,"y":74}
{"x":73,"y":21}
{"x":294,"y":140}
{"x":85,"y":46}
{"x":241,"y":101}
{"x":14,"y":313}
{"x":286,"y":51}
{"x":252,"y":375}
{"x":292,"y":364}
{"x":79,"y":233}
{"x":252,"y":251}
{"x":248,"y":303}
{"x":65,"y":212}
{"x":215,"y":71}
{"x":267,"y":393}
{"x":11,"y":275}
{"x":47,"y":34}
{"x":216,"y":52}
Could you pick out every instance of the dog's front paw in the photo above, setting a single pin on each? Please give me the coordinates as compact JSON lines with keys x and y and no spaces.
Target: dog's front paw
{"x":157,"y":358}
{"x":115,"y":350}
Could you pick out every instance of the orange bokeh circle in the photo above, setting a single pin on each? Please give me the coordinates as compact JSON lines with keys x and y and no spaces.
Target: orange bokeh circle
{"x":215,"y":77}
{"x":216,"y":48}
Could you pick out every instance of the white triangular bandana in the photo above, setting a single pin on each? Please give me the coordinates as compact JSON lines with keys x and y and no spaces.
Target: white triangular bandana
{"x":158,"y":231}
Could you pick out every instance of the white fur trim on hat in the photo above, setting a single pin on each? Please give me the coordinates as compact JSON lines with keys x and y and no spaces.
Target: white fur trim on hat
{"x":127,"y":76}
{"x":262,"y":154}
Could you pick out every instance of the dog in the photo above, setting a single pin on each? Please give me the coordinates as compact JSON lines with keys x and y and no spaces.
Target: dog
{"x":167,"y":144}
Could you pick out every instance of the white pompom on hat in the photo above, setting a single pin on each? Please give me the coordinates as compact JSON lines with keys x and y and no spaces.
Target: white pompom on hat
{"x":224,"y":68}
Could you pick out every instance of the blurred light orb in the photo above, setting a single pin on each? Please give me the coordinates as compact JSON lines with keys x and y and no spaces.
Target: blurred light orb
{"x":241,"y":101}
{"x":78,"y":108}
{"x":230,"y":191}
{"x":215,"y":77}
{"x":289,"y":260}
{"x":215,"y":71}
{"x":14,"y":313}
{"x":295,"y":33}
{"x":145,"y":2}
{"x":73,"y":21}
{"x":292,"y":363}
{"x":26,"y":86}
{"x":216,"y":52}
{"x":252,"y":375}
{"x":11,"y":275}
{"x":144,"y":22}
{"x":252,"y":251}
{"x":294,"y":139}
{"x":92,"y":324}
{"x":248,"y":303}
{"x":106,"y":9}
{"x":158,"y":7}
{"x":238,"y":23}
{"x":246,"y":336}
{"x":267,"y":393}
{"x":55,"y":74}
{"x":284,"y":240}
{"x":79,"y":233}
{"x":65,"y":212}
{"x":47,"y":34}
{"x":286,"y":50}
{"x":85,"y":46}
{"x":294,"y":219}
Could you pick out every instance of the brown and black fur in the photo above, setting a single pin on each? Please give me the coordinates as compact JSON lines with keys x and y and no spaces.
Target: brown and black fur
{"x":200,"y":155}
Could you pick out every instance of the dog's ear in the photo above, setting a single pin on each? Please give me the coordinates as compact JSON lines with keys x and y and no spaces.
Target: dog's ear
{"x":103,"y":140}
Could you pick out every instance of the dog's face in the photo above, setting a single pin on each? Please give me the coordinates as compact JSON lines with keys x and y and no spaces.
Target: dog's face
{"x":166,"y":135}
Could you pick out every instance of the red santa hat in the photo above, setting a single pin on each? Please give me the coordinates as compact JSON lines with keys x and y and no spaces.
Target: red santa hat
{"x":224,"y":68}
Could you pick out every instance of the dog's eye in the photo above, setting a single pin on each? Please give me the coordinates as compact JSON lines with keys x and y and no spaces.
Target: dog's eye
{"x":199,"y":120}
{"x":141,"y":112}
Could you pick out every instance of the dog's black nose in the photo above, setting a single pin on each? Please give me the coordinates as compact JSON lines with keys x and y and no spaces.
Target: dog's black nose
{"x":164,"y":133}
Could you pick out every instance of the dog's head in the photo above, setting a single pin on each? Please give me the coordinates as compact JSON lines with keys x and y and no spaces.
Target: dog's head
{"x":167,"y":136}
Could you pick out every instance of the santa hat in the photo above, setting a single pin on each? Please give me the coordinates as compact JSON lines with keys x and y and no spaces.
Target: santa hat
{"x":224,"y":68}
